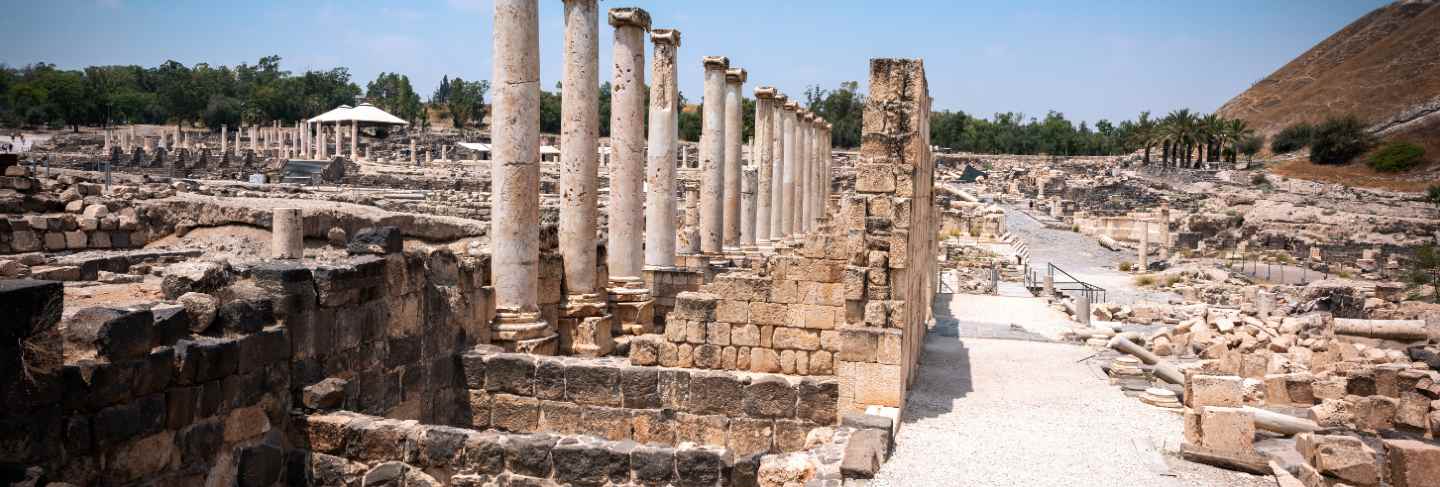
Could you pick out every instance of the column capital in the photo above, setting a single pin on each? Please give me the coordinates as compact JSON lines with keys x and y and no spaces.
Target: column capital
{"x":765,"y":92}
{"x":791,"y":106}
{"x":736,"y":75}
{"x":781,"y":98}
{"x":665,"y":36}
{"x":715,"y":62}
{"x":630,"y":17}
{"x":819,"y":121}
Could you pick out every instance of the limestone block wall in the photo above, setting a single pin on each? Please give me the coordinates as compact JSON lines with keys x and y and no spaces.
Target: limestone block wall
{"x":345,"y":448}
{"x":611,"y":399}
{"x":785,"y":321}
{"x":891,"y":226}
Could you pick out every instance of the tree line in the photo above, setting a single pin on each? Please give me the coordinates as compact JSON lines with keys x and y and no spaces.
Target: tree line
{"x":1182,"y":137}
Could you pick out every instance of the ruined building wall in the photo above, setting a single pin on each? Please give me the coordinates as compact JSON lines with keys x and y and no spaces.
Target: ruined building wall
{"x":891,"y":227}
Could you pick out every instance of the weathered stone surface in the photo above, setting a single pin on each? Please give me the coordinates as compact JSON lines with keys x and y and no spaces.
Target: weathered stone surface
{"x":818,"y":401}
{"x":864,"y":453}
{"x":1413,"y":463}
{"x":770,"y":397}
{"x":715,"y":393}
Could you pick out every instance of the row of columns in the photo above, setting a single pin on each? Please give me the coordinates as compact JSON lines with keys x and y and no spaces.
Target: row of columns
{"x":642,"y":233}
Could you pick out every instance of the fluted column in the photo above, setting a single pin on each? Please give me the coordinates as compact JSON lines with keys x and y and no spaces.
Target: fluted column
{"x":627,"y":140}
{"x":579,"y":138}
{"x":748,"y":181}
{"x":764,"y":156}
{"x":712,"y":155}
{"x":515,"y":202}
{"x":777,"y":174}
{"x":734,"y":131}
{"x":789,"y":215}
{"x":817,"y":168}
{"x":664,"y":134}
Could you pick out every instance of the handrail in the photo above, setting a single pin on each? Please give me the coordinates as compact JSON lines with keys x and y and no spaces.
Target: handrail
{"x":1095,"y":293}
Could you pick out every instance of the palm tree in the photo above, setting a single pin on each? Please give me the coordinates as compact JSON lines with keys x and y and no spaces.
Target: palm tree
{"x":1181,"y":133}
{"x":1145,"y":134}
{"x":1237,"y":130}
{"x":1212,"y":128}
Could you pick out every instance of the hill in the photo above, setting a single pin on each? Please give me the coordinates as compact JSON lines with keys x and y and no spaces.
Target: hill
{"x":1383,"y":68}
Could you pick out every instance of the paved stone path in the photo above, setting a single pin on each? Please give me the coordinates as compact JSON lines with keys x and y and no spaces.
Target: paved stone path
{"x":1081,"y":256}
{"x":1000,"y":412}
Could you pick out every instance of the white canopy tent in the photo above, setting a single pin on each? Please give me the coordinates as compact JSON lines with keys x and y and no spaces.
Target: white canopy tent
{"x":365,"y":114}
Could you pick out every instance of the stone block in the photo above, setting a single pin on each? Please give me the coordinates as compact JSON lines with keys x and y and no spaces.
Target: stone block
{"x":117,"y":335}
{"x":764,"y":360}
{"x":1290,"y":389}
{"x":587,"y":461}
{"x":717,"y":333}
{"x":708,"y":356}
{"x":674,"y":388}
{"x":715,"y":393}
{"x":745,"y":335}
{"x":697,"y":466}
{"x":479,"y":406}
{"x":695,"y":332}
{"x":510,"y":373}
{"x":818,"y":400}
{"x":889,"y":350}
{"x":593,"y":384}
{"x":694,"y":306}
{"x":762,"y":313}
{"x":1413,"y":463}
{"x":1213,"y":390}
{"x":653,"y":465}
{"x":1375,"y":413}
{"x":732,"y":311}
{"x":515,"y":413}
{"x":529,"y":455}
{"x":550,"y":377}
{"x":1227,"y":429}
{"x":640,"y":387}
{"x":795,"y":339}
{"x":653,"y":426}
{"x":750,"y":436}
{"x":609,"y":423}
{"x":770,"y":397}
{"x":822,"y":363}
{"x":561,"y":418}
{"x":814,"y":317}
{"x":859,"y":345}
{"x":702,"y":429}
{"x":1346,"y":458}
{"x":484,"y":453}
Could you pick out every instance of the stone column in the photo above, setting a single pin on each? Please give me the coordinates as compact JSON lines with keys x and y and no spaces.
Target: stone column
{"x":734,"y":130}
{"x":802,"y":171}
{"x":224,"y":131}
{"x":412,"y":150}
{"x":321,"y":143}
{"x":690,"y":244}
{"x":764,"y":157}
{"x":664,"y":133}
{"x":778,"y":229}
{"x":515,"y":201}
{"x":585,"y":325}
{"x":712,"y":155}
{"x":254,"y":137}
{"x":789,"y":215}
{"x":627,"y":141}
{"x":354,"y":140}
{"x":1164,"y":230}
{"x":579,"y":137}
{"x":106,"y":148}
{"x":816,"y":129}
{"x":286,"y":238}
{"x":1144,"y":250}
{"x":749,"y":177}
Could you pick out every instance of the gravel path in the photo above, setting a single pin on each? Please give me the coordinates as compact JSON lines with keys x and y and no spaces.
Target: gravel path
{"x":1081,"y":256}
{"x":988,"y":412}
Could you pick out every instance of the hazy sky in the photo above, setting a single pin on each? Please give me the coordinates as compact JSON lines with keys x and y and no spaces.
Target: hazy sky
{"x":1090,"y":59}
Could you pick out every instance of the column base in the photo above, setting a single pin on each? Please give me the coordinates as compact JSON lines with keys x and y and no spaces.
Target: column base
{"x":586,"y":326}
{"x":524,"y":333}
{"x":632,"y":305}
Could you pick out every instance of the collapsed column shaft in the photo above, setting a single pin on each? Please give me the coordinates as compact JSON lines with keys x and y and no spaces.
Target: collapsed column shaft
{"x":664,"y":132}
{"x":712,"y":155}
{"x":579,"y":138}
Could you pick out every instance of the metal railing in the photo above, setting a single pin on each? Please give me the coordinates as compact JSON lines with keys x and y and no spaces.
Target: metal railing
{"x":1035,"y":280}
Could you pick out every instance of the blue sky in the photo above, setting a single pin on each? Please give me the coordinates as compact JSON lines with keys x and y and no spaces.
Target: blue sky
{"x":1089,"y":59}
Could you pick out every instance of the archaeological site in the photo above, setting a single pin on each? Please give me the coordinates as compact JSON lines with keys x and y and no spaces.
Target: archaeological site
{"x":240,"y":276}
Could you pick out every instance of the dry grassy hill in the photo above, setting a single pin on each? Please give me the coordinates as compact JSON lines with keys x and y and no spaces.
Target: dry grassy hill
{"x":1383,"y":68}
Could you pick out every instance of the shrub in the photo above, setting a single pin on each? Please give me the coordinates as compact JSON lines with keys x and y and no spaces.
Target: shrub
{"x":1251,"y":146}
{"x":1145,"y":280}
{"x":1292,"y":138}
{"x":1397,"y":156}
{"x":1259,"y":179}
{"x":1125,"y":266}
{"x":1173,"y":280}
{"x":1433,"y":195}
{"x":1339,"y":141}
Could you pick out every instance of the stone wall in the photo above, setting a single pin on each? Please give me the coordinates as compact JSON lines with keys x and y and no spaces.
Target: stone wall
{"x":611,"y":399}
{"x":352,"y":449}
{"x":891,"y":226}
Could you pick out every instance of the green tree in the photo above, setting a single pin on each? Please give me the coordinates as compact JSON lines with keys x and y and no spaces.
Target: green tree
{"x":1250,"y":146}
{"x":1425,"y":270}
{"x":466,"y":101}
{"x":1339,"y":140}
{"x":550,"y":111}
{"x":392,"y":92}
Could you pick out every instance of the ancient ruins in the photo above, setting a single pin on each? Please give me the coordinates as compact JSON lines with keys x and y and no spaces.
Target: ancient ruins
{"x":346,"y":300}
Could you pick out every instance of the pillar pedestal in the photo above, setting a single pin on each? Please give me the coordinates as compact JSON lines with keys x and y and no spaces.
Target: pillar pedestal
{"x":523,"y":333}
{"x":586,"y":326}
{"x":632,"y":305}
